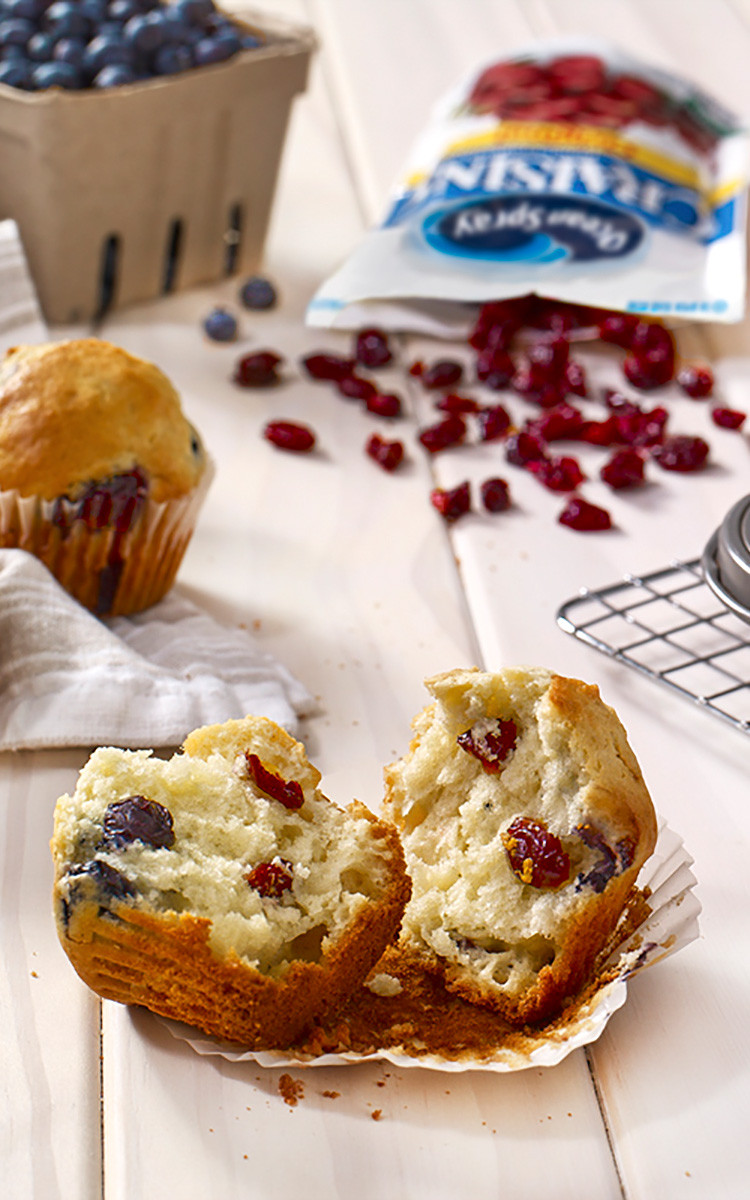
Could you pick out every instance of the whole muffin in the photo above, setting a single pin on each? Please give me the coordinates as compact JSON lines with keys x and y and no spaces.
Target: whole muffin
{"x":525,"y":821}
{"x":101,"y":474}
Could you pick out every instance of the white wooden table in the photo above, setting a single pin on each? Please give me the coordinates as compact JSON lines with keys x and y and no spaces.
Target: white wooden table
{"x":350,"y":577}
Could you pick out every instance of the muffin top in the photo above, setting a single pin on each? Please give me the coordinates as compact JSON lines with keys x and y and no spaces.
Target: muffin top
{"x":77,"y":411}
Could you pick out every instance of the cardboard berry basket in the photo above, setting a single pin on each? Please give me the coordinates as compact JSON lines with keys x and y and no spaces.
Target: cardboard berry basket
{"x":123,"y":195}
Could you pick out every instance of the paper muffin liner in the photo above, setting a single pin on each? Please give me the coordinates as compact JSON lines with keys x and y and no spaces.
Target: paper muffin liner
{"x":112,"y":573}
{"x":672,"y":922}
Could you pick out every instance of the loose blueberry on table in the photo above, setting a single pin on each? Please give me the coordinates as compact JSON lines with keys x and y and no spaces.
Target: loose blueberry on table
{"x":220,"y":325}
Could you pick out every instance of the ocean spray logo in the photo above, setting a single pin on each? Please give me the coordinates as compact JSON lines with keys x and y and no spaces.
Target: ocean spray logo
{"x":657,"y":201}
{"x":538,"y":229}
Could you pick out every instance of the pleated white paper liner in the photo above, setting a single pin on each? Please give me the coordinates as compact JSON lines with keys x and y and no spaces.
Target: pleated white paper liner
{"x":671,"y":924}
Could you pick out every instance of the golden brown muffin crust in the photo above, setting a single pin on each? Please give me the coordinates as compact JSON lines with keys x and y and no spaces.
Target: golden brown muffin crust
{"x":76,"y":411}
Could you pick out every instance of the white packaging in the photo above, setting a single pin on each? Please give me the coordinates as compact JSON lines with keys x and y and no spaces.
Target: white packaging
{"x":572,"y":171}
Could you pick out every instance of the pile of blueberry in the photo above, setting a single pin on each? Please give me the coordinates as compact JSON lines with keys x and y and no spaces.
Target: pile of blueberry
{"x":77,"y":44}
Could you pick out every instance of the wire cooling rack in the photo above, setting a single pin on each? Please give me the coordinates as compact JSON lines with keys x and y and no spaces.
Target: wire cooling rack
{"x":671,"y":627}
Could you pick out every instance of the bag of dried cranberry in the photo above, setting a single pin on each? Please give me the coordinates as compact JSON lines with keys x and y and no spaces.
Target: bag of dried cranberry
{"x":572,"y":171}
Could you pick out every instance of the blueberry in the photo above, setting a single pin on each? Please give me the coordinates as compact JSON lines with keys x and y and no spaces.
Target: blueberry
{"x":194,"y":12}
{"x":145,"y":32}
{"x":15,"y":72}
{"x":213,"y":50}
{"x":122,"y":10}
{"x":137,"y":819}
{"x":16,"y":31}
{"x":172,"y":58}
{"x":111,"y":881}
{"x":41,"y":46}
{"x":258,"y":293}
{"x":114,"y":75}
{"x":95,"y":12}
{"x":69,"y":50}
{"x":55,"y":74}
{"x":105,"y":50}
{"x":30,"y":9}
{"x":220,"y":325}
{"x":66,"y":19}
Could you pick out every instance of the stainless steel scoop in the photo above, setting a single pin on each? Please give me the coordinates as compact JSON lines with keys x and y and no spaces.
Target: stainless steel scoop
{"x":726,"y":560}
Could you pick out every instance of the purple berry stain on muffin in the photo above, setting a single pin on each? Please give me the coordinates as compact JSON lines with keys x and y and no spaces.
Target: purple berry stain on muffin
{"x":137,"y":819}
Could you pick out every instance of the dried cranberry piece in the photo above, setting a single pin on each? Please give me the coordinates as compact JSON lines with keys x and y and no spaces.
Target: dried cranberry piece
{"x":327,"y":366}
{"x":561,"y":474}
{"x":624,"y":469}
{"x":417,"y":368}
{"x":493,"y":422}
{"x":384,"y":404}
{"x":696,"y":381}
{"x":523,"y":447}
{"x":599,"y":433}
{"x":457,"y":404}
{"x":444,"y":373}
{"x":354,"y":387}
{"x":113,"y":503}
{"x":583,"y":516}
{"x":372,"y":349}
{"x":495,"y":367}
{"x":535,"y":854}
{"x":728,"y":418}
{"x":490,"y":740}
{"x":287,"y":791}
{"x":618,"y":329}
{"x":649,"y":369}
{"x":640,"y":427}
{"x":137,"y":819}
{"x":681,"y":453}
{"x":452,"y":503}
{"x":448,"y":432}
{"x":387,"y":454}
{"x":271,"y":879}
{"x":258,"y":370}
{"x":575,"y":379}
{"x":548,"y":360}
{"x":495,"y":495}
{"x":289,"y":435}
{"x":554,"y":424}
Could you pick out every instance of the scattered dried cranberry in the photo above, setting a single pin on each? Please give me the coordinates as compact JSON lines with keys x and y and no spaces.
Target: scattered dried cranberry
{"x":536,"y":856}
{"x":452,"y":503}
{"x":444,"y":373}
{"x":650,"y":369}
{"x":696,"y":382}
{"x":524,"y":447}
{"x":493,"y":422}
{"x":457,"y":404}
{"x":417,"y":368}
{"x":490,"y":740}
{"x":137,"y":819}
{"x":495,"y":495}
{"x":580,"y":514}
{"x":495,"y":367}
{"x":327,"y":366}
{"x":728,"y":418}
{"x":271,"y":879}
{"x":618,"y":329}
{"x":640,"y":427}
{"x":448,"y":432}
{"x":288,"y":435}
{"x":575,"y":379}
{"x":599,"y":433}
{"x":384,"y":404}
{"x":287,"y":791}
{"x":554,"y":424}
{"x":354,"y":387}
{"x":681,"y":453}
{"x":387,"y":454}
{"x":624,"y":469}
{"x":372,"y":349}
{"x":558,"y":474}
{"x":258,"y":370}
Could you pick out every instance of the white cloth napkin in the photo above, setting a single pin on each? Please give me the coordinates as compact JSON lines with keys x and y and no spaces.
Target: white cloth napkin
{"x":69,"y":679}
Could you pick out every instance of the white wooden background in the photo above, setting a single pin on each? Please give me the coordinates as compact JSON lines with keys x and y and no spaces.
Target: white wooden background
{"x":348,"y":576}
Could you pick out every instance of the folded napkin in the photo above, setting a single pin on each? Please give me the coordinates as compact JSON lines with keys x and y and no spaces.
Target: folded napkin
{"x":70,"y":679}
{"x":20,"y":316}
